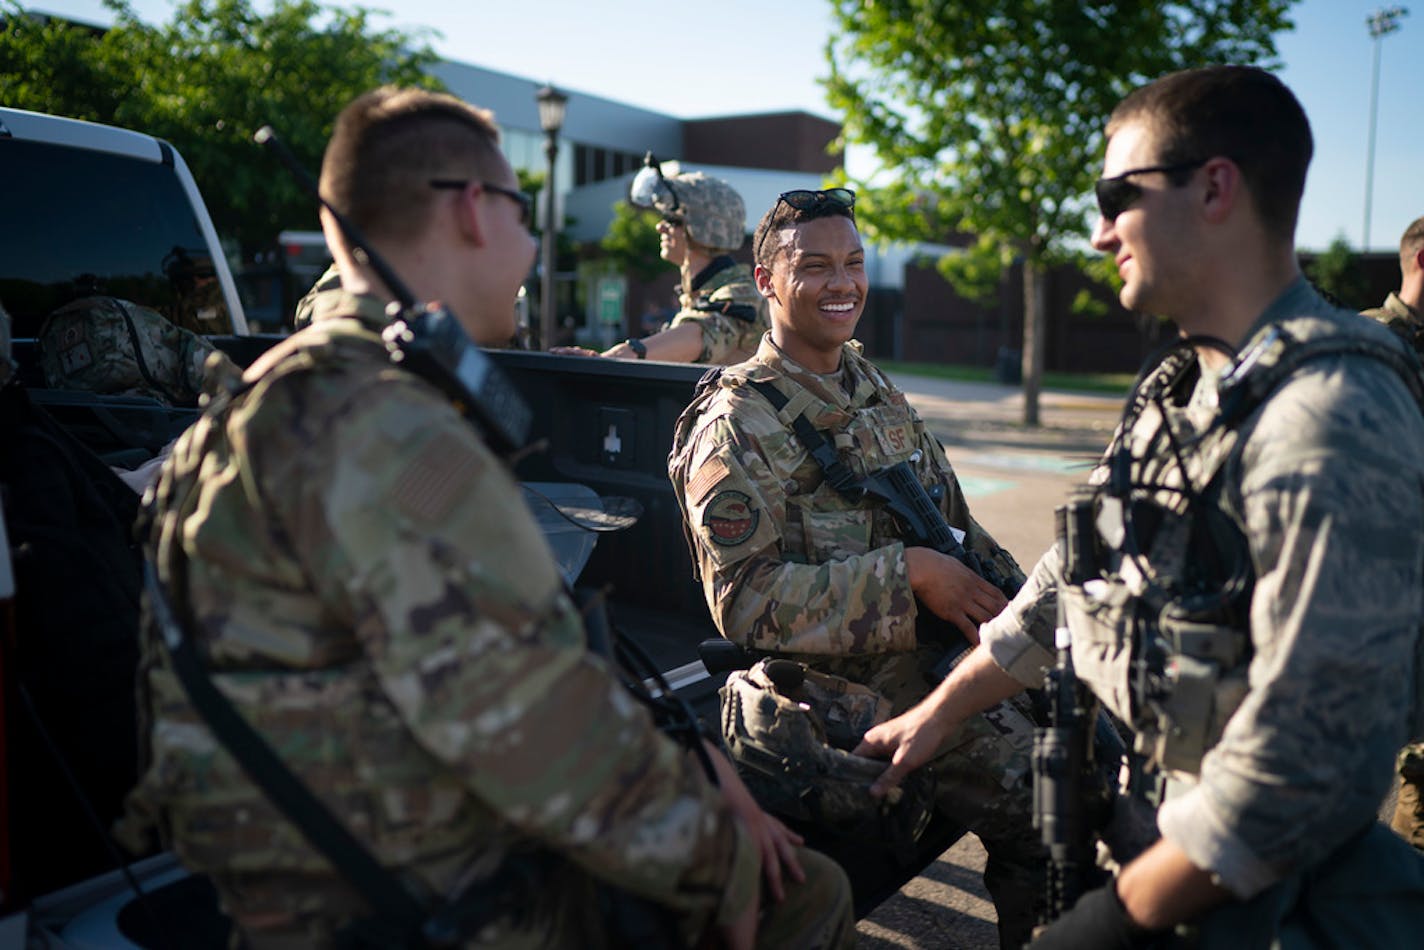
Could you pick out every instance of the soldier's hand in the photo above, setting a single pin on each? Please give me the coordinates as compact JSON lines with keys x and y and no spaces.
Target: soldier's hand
{"x":775,"y":841}
{"x":952,"y":591}
{"x":908,"y":741}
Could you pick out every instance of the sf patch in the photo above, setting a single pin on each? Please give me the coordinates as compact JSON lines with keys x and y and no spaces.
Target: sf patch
{"x":730,"y":518}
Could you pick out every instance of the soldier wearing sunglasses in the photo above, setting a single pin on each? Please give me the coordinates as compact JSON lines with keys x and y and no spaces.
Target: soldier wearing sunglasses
{"x":791,"y":566}
{"x":1248,"y":597}
{"x":703,"y":222}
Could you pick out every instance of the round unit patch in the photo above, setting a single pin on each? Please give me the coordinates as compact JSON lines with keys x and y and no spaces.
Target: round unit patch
{"x":730,"y":519}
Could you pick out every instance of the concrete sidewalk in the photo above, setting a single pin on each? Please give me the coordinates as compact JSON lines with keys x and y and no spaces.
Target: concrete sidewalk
{"x":987,"y":415}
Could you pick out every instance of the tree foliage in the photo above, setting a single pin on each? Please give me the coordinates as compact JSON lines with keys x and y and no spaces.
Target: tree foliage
{"x":989,"y":114}
{"x":206,"y":80}
{"x":632,"y":241}
{"x":1337,"y":271}
{"x":986,"y":118}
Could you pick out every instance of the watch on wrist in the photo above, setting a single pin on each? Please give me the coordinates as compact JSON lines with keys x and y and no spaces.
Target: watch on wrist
{"x":638,"y":347}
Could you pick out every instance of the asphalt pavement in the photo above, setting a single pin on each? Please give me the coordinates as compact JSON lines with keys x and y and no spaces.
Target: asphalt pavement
{"x":1013,"y":476}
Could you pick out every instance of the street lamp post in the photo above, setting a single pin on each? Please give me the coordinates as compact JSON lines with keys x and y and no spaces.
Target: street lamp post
{"x":1381,"y":23}
{"x":552,"y":104}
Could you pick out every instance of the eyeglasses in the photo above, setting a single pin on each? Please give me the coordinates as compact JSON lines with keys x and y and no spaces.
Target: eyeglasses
{"x":1117,"y":194}
{"x":806,"y":200}
{"x":526,"y":203}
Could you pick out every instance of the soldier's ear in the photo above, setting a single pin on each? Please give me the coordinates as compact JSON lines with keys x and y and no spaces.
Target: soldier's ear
{"x":762,"y":276}
{"x":466,"y":208}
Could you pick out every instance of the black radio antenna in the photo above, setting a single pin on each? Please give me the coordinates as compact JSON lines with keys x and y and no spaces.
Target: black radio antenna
{"x":267,"y":138}
{"x":429,"y":341}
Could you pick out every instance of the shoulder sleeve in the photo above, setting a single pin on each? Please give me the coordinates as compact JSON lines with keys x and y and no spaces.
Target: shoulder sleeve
{"x":1328,"y":492}
{"x":726,"y":337}
{"x":736,"y":507}
{"x":460,"y":611}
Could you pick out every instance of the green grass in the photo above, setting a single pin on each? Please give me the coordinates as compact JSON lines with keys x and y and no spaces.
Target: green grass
{"x":1113,"y":383}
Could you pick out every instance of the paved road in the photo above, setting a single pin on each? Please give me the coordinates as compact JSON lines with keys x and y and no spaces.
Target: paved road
{"x":1014,"y":477}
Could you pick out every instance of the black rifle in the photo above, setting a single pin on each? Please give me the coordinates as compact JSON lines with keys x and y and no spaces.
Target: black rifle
{"x":1070,"y":795}
{"x":899,"y":488}
{"x":919,"y":517}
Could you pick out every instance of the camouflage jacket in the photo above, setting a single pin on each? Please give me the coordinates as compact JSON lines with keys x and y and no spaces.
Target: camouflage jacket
{"x":320,"y":297}
{"x":1321,"y":484}
{"x":788,"y":564}
{"x":1402,"y":319}
{"x":372,"y":594}
{"x":726,"y":338}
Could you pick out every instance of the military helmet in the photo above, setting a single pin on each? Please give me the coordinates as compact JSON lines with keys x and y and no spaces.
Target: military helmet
{"x":790,"y":731}
{"x":714,"y":214}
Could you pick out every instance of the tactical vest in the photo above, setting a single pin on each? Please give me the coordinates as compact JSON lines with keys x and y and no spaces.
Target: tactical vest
{"x":1160,"y":624}
{"x":821,"y":524}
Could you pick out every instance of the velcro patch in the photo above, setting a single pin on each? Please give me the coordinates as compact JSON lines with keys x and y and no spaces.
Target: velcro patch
{"x":436,"y":478}
{"x":730,"y":518}
{"x":895,"y":440}
{"x":712,"y":471}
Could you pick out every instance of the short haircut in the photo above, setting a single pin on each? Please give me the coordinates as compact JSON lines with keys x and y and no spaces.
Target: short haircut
{"x":1412,"y":241}
{"x":389,"y":143}
{"x":1239,"y":112}
{"x":765,"y":247}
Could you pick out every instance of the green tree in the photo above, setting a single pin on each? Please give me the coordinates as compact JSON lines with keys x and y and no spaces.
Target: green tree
{"x":210,"y":77}
{"x":986,"y":117}
{"x":1336,"y":270}
{"x":632,"y":241}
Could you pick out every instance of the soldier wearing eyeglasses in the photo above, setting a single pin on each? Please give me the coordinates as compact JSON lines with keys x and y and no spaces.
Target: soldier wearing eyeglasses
{"x":1247,"y":596}
{"x":371,"y":593}
{"x":793,"y":568}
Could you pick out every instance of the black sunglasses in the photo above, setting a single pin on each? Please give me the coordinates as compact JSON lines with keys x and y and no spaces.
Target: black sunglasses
{"x":1117,"y":194}
{"x":525,"y":202}
{"x":803,"y":199}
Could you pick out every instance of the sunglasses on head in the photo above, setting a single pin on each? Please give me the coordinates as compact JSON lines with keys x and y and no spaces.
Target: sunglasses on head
{"x":803,"y":199}
{"x":1117,"y":194}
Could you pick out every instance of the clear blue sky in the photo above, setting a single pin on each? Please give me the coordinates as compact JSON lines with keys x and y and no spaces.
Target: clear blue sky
{"x":761,"y":56}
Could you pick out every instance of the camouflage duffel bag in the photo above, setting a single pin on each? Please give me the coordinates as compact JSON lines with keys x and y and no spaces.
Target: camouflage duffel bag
{"x":790,"y":731}
{"x":115,"y":347}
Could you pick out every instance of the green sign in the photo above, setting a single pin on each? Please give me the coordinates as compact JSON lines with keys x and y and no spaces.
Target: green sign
{"x":611,"y":293}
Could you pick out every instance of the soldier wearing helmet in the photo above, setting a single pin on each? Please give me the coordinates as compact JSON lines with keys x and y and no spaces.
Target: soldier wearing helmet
{"x":722,"y":317}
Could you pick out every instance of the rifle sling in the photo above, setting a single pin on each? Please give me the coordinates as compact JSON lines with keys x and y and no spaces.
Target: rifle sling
{"x":841,"y":478}
{"x":380,"y":889}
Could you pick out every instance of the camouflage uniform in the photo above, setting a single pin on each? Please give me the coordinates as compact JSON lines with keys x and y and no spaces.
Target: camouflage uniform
{"x":790,"y":567}
{"x":727,"y":337}
{"x":1408,"y":817}
{"x":111,"y":346}
{"x":1321,"y":482}
{"x":1401,"y":318}
{"x":324,"y":289}
{"x":373,"y":596}
{"x":722,"y":299}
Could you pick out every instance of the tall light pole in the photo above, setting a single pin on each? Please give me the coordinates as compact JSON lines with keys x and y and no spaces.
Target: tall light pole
{"x":552,"y":104}
{"x":1381,"y":23}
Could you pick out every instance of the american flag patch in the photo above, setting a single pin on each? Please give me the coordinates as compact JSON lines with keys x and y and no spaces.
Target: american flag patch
{"x":712,"y":471}
{"x":436,"y":478}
